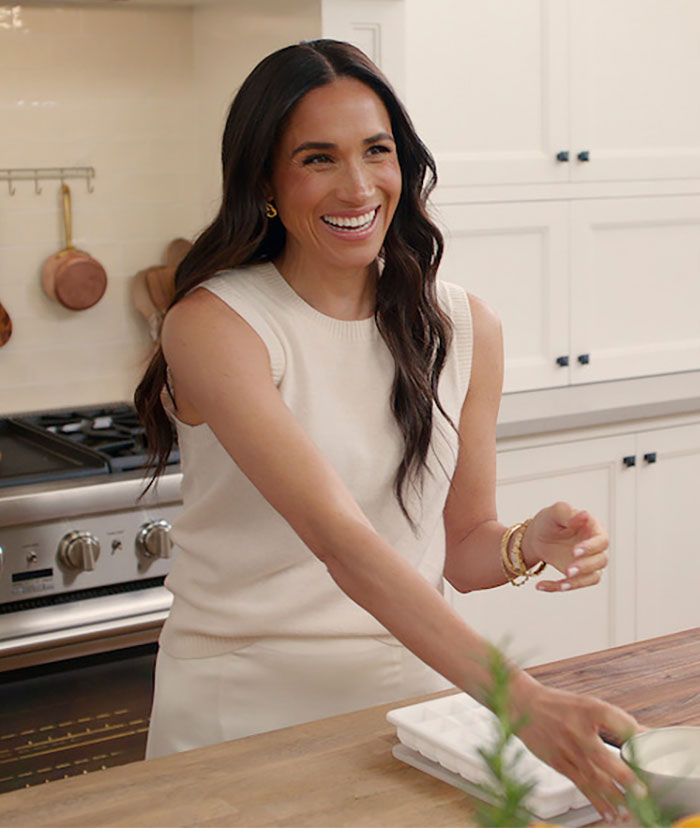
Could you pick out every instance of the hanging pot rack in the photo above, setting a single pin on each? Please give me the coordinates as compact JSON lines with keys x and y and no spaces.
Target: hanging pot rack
{"x":37,"y":174}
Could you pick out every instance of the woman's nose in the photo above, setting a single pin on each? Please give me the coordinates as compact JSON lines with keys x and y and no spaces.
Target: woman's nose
{"x":356,"y":184}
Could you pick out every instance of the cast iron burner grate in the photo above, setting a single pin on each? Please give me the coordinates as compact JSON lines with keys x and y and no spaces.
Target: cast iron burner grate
{"x":114,"y":431}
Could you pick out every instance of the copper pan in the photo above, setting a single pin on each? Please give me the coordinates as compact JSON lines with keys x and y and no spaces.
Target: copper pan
{"x":5,"y":326}
{"x":71,"y":276}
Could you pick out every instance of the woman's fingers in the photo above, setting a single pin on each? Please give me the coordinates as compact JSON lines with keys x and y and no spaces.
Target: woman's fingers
{"x":564,"y":731}
{"x":585,"y":571}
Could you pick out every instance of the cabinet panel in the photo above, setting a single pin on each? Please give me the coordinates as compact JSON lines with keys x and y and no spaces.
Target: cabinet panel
{"x":543,"y":626}
{"x":376,"y":27}
{"x":634,"y":64}
{"x":668,"y":541}
{"x":515,"y":257}
{"x":488,"y":88}
{"x":635,"y":288}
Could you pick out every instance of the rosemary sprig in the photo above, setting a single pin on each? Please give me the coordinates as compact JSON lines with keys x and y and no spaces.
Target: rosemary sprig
{"x":505,"y":793}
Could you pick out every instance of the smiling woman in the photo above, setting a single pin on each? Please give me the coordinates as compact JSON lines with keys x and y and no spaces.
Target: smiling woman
{"x":336,"y":408}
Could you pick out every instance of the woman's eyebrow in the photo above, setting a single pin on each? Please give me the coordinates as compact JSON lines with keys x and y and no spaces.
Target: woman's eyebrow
{"x":328,"y":145}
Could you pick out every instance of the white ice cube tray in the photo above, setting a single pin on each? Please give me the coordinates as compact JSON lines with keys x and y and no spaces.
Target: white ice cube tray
{"x":450,"y":730}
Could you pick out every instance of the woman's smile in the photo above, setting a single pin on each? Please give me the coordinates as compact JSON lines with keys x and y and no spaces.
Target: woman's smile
{"x":352,"y":226}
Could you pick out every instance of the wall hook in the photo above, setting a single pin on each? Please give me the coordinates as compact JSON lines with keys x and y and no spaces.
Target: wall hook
{"x":10,"y":183}
{"x":37,"y":188}
{"x":90,"y":186}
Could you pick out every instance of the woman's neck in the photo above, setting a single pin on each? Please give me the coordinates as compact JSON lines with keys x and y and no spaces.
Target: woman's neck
{"x":347,"y":294}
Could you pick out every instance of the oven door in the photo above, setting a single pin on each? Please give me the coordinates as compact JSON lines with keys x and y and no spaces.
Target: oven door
{"x":74,"y":717}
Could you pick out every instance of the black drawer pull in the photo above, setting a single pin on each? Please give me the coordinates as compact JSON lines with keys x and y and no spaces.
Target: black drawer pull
{"x":584,"y":359}
{"x":584,"y":155}
{"x":563,"y":155}
{"x":562,"y":361}
{"x":630,"y":461}
{"x":650,"y":457}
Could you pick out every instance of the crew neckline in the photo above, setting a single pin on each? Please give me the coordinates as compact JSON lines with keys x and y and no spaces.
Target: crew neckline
{"x":346,"y":328}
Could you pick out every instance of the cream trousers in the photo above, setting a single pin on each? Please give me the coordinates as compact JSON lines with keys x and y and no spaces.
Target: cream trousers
{"x":273,"y":683}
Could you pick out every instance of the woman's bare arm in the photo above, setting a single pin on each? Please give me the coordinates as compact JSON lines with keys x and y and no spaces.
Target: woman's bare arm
{"x":473,"y":532}
{"x":222,"y":376}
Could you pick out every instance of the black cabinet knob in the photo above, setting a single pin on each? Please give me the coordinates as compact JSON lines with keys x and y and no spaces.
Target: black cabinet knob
{"x":584,"y":155}
{"x":562,"y":361}
{"x":584,"y":359}
{"x":629,"y":461}
{"x":563,"y":155}
{"x":650,"y":457}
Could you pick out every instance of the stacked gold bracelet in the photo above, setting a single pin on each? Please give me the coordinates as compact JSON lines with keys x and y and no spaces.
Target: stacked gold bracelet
{"x":513,"y":561}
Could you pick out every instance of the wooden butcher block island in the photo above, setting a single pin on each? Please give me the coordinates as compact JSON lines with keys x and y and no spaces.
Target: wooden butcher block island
{"x":340,"y":771}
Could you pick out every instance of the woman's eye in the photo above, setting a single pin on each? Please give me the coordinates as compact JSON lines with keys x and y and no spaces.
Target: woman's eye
{"x":378,"y":149}
{"x":319,"y":158}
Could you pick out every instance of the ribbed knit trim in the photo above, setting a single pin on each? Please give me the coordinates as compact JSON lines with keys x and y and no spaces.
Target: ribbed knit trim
{"x":464,"y":335}
{"x":348,"y":329}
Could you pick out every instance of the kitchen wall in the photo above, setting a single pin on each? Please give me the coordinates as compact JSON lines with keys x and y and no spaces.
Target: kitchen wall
{"x":140,"y":94}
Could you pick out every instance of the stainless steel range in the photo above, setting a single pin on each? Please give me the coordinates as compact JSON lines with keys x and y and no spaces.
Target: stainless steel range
{"x":82,"y":559}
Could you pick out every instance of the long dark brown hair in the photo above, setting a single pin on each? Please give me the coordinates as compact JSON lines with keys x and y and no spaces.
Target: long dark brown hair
{"x":407,"y":313}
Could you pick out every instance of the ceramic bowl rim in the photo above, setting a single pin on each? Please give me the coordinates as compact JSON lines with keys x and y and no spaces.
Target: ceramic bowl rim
{"x":649,"y":734}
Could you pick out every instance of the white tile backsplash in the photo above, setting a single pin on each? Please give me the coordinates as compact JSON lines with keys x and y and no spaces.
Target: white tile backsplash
{"x":141,"y":95}
{"x":110,"y":88}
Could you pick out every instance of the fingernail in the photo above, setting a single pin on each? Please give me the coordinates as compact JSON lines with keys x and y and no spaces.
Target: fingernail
{"x":579,"y":552}
{"x":564,"y":587}
{"x":572,"y":570}
{"x":639,"y":789}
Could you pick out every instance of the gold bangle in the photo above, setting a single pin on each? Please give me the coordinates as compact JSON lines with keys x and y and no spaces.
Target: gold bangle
{"x":511,"y":572}
{"x":517,"y":553}
{"x":513,"y":561}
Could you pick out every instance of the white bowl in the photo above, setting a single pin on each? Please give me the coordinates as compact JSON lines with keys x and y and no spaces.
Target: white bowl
{"x":669,"y":761}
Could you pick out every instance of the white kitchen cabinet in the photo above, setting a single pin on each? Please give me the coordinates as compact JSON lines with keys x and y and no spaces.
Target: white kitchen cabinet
{"x":588,"y":290}
{"x":516,"y":258}
{"x":541,"y":626}
{"x":504,"y":88}
{"x":488,"y":88}
{"x":642,"y":485}
{"x":633,"y":64}
{"x":667,"y":581}
{"x":635,"y":287}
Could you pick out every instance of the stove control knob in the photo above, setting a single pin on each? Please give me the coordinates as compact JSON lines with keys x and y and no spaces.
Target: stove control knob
{"x":79,"y":550}
{"x":153,"y":539}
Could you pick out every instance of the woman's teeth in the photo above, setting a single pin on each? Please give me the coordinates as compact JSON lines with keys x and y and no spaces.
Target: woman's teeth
{"x":351,"y":222}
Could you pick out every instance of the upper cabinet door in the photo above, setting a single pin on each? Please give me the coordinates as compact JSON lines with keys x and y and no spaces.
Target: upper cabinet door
{"x":516,"y":258}
{"x":635,"y":290}
{"x":376,"y":27}
{"x":635,"y":72}
{"x":487,"y":88}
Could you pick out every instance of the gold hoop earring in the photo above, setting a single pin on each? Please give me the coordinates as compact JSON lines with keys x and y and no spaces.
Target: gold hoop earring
{"x":270,"y":210}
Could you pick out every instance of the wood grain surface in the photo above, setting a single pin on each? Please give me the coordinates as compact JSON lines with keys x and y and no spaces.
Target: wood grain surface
{"x":340,"y":771}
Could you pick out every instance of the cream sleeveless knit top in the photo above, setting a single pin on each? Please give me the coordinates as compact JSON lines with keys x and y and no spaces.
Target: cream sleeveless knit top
{"x":242,"y":573}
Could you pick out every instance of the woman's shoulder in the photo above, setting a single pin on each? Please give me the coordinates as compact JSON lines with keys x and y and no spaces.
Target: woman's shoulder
{"x":243,"y":290}
{"x":251,"y":280}
{"x":455,"y":298}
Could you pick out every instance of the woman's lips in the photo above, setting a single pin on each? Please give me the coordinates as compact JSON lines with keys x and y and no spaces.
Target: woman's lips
{"x":357,"y":226}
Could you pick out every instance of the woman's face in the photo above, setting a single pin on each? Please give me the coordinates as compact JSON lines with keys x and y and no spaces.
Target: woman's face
{"x":336,"y":179}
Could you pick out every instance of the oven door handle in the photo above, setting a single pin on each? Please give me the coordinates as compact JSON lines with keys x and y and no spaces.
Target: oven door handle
{"x":103,"y":636}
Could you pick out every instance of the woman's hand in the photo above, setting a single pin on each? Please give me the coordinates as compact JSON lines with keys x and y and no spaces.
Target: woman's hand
{"x":563,"y":730}
{"x":572,"y":541}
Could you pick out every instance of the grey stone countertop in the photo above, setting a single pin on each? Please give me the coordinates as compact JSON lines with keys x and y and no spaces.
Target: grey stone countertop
{"x":602,"y":403}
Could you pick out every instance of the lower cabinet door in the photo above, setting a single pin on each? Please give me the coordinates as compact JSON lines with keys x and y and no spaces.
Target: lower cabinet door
{"x":668,"y":531}
{"x":537,"y":627}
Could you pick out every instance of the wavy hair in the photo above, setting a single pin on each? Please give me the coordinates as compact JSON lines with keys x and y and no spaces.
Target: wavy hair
{"x":408,"y":317}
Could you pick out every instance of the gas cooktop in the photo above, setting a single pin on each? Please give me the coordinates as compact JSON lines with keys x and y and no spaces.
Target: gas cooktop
{"x":67,"y":443}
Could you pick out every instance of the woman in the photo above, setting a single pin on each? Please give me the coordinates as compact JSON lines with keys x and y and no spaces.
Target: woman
{"x":334,"y":465}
